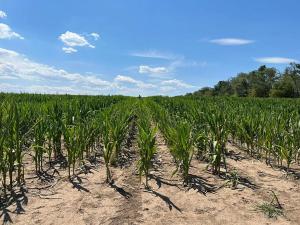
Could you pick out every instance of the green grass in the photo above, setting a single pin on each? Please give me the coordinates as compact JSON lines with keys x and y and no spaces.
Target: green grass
{"x":270,"y":210}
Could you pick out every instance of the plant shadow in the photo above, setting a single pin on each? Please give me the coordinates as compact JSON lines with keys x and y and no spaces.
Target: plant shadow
{"x":45,"y":176}
{"x":291,"y":171}
{"x":243,"y":180}
{"x":200,"y":184}
{"x":166,"y":199}
{"x":77,"y":183}
{"x":120,"y":190}
{"x":17,"y":198}
{"x":235,"y":156}
{"x":159,"y":181}
{"x":61,"y":161}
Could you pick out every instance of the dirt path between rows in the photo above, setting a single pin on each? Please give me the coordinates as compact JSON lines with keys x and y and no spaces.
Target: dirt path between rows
{"x":129,"y":188}
{"x":206,"y":201}
{"x":269,"y":179}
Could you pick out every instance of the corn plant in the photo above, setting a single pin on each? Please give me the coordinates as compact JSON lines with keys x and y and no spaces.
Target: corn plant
{"x":38,"y":145}
{"x":108,"y":142}
{"x":72,"y":142}
{"x":119,"y":130}
{"x":147,"y":148}
{"x":13,"y":142}
{"x":3,"y":151}
{"x":218,"y":136}
{"x":56,"y":120}
{"x":286,"y":149}
{"x":182,"y":148}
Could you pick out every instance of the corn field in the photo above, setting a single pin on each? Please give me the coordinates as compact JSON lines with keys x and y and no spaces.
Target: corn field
{"x":74,"y":129}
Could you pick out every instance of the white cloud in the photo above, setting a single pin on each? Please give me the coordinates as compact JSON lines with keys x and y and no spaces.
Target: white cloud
{"x":186,"y":63}
{"x":154,"y":54}
{"x":231,"y":41}
{"x":127,"y":79}
{"x":175,"y":87}
{"x":7,"y":33}
{"x":50,"y":89}
{"x":21,"y":74}
{"x":2,"y":14}
{"x":44,"y":89}
{"x":121,"y":78}
{"x":167,"y":71}
{"x":143,"y":69}
{"x":69,"y":50}
{"x":15,"y":65}
{"x":74,"y":40}
{"x":176,"y":83}
{"x":276,"y":60}
{"x":95,"y":36}
{"x":167,"y":89}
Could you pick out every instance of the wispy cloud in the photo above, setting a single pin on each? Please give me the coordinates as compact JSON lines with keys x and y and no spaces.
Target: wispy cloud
{"x":167,"y":69}
{"x":276,"y":60}
{"x":96,"y":36}
{"x":175,"y":86}
{"x":69,"y":50}
{"x":2,"y":14}
{"x":138,"y":83}
{"x":231,"y":41}
{"x":144,"y":69}
{"x":7,"y":33}
{"x":177,"y":83}
{"x":185,"y":63}
{"x":154,"y":54}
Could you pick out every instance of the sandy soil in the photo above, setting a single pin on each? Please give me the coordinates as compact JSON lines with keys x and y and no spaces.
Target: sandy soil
{"x":89,"y":200}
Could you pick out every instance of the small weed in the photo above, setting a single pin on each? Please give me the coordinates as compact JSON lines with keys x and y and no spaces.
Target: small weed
{"x":271,"y":209}
{"x":233,"y":178}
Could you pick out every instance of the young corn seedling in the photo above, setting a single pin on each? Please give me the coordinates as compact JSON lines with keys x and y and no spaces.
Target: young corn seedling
{"x":3,"y":152}
{"x":219,"y":135}
{"x":120,"y":128}
{"x":233,"y":179}
{"x":182,"y":148}
{"x":108,"y":142}
{"x":56,"y":116}
{"x":146,"y":144}
{"x":71,"y":141}
{"x":38,"y":146}
{"x":286,"y":150}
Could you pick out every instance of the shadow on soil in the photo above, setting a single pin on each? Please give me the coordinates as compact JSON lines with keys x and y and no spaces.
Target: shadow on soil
{"x":77,"y":183}
{"x":120,"y":190}
{"x":291,"y":171}
{"x":237,"y":156}
{"x":200,"y":184}
{"x":159,"y":181}
{"x":45,"y":176}
{"x":166,"y":199}
{"x":17,"y":198}
{"x":243,"y":180}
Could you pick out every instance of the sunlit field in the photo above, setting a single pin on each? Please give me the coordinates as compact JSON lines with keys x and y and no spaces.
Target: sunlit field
{"x":116,"y":160}
{"x":144,"y":112}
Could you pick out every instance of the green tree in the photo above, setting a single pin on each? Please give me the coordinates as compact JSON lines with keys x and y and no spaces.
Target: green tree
{"x":223,"y":88}
{"x":241,"y":85}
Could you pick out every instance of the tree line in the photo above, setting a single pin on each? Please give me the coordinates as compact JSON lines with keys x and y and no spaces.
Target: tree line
{"x":263,"y":82}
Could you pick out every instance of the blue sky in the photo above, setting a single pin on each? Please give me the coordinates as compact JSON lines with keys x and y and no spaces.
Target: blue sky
{"x":145,"y":47}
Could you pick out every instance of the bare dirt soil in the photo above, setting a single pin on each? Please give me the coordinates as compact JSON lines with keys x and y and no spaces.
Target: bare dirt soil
{"x":207,"y":200}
